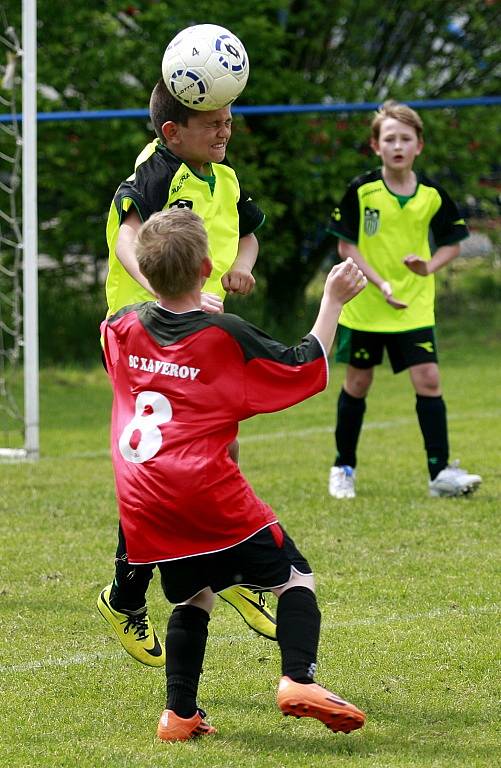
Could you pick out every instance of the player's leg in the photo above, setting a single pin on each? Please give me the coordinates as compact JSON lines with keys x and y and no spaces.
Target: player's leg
{"x":432,"y":415}
{"x":350,"y":413}
{"x":361,"y":351}
{"x":445,"y":479}
{"x":298,"y":631}
{"x":270,"y":558}
{"x":251,"y":605}
{"x":416,"y":351}
{"x":123,"y":605}
{"x":185,"y":643}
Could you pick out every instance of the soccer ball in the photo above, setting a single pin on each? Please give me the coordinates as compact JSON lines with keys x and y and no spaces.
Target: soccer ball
{"x":205,"y":67}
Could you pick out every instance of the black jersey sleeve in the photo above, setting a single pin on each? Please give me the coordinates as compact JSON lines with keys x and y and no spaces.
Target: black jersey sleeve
{"x":127,"y":198}
{"x":275,"y":376}
{"x":148,"y":188}
{"x":447,"y":225}
{"x":250,"y":215}
{"x":345,"y":218}
{"x":257,"y":343}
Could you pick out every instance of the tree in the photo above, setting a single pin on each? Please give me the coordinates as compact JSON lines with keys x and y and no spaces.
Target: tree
{"x":107,"y":54}
{"x":351,"y":51}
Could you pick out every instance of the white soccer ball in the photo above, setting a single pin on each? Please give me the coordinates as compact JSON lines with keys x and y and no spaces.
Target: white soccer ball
{"x":205,"y":67}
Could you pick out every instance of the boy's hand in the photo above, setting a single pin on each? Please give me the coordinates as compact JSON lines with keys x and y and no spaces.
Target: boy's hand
{"x":417,"y":265}
{"x":211,"y":303}
{"x":344,"y":282}
{"x":238,"y":280}
{"x":387,"y":292}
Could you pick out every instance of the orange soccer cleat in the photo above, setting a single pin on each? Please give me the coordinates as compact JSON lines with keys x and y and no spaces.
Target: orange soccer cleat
{"x":174,"y":728}
{"x":311,"y":700}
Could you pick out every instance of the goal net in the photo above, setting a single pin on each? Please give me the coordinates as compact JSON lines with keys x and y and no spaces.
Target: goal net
{"x":18,"y":240}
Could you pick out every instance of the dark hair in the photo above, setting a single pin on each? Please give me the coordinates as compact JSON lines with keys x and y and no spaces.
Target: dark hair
{"x":164,"y":107}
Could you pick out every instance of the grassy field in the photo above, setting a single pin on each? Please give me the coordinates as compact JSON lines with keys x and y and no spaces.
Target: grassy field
{"x":408,"y":587}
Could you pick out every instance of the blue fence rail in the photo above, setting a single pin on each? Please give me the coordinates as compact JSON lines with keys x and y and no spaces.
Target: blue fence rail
{"x":270,"y":109}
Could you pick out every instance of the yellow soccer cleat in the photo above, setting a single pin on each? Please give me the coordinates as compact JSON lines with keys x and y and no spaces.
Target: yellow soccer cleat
{"x":134,"y":630}
{"x":253,"y":609}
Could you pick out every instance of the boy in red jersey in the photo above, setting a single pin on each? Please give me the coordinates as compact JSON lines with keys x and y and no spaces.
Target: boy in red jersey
{"x":184,"y":167}
{"x":182,"y":380}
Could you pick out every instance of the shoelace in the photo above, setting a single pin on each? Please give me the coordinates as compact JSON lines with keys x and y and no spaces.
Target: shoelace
{"x":263,"y":606}
{"x":138,"y":624}
{"x":345,"y":482}
{"x":202,"y":727}
{"x":456,"y":469}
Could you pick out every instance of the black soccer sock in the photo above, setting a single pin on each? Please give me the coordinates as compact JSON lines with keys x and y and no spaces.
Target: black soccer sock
{"x":350,"y":416}
{"x":432,"y":417}
{"x":128,"y":591}
{"x":298,"y":632}
{"x":185,"y":643}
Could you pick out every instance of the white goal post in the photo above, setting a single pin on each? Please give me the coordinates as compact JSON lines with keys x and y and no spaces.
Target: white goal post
{"x":30,"y":232}
{"x":28,"y":341}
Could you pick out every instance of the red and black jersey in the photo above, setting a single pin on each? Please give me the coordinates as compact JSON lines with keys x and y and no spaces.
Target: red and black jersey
{"x":181,"y":383}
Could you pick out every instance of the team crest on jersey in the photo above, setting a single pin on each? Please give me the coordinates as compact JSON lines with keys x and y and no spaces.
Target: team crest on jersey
{"x":371,"y":221}
{"x":182,"y":204}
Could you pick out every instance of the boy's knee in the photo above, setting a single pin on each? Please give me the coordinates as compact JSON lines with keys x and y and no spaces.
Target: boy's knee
{"x":358,"y":381}
{"x":426,"y":380}
{"x":305,"y":580}
{"x":204,"y":600}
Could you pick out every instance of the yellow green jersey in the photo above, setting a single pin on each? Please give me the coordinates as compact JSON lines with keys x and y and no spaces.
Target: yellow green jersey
{"x":161,"y":180}
{"x":386,"y":228}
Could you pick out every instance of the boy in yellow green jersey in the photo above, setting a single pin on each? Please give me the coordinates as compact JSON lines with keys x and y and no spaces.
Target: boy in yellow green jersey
{"x":383,"y":223}
{"x":184,"y":167}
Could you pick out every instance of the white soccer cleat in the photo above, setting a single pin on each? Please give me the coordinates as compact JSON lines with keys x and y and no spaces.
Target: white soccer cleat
{"x":454,"y":481}
{"x":342,"y":482}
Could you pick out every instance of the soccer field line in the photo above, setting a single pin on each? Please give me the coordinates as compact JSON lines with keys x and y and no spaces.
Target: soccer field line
{"x":369,"y":621}
{"x":297,"y":433}
{"x":369,"y":425}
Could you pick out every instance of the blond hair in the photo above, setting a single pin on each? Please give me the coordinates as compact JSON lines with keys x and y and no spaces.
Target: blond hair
{"x":171,"y":246}
{"x":400,"y":112}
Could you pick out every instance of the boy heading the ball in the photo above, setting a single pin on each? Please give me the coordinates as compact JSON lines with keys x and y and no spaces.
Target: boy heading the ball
{"x":184,"y":167}
{"x":170,"y":433}
{"x":383,"y":223}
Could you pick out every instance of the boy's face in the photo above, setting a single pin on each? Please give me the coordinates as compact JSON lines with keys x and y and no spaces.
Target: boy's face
{"x":203,"y":140}
{"x":398,"y":145}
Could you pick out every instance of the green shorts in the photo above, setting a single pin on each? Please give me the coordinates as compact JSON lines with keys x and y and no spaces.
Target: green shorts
{"x":365,"y":349}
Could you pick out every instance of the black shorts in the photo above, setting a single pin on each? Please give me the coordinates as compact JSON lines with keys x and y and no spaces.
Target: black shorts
{"x":364,"y":349}
{"x":262,"y":562}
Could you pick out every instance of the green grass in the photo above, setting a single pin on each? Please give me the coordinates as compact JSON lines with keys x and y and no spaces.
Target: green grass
{"x":408,"y":587}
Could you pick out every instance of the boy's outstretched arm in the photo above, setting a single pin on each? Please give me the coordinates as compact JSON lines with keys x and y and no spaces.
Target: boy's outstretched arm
{"x":440,"y":258}
{"x":343,"y":282}
{"x":239,"y":278}
{"x":126,"y":249}
{"x":350,"y":250}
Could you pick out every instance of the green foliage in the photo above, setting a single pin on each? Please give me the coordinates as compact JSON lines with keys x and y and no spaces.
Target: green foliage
{"x":70,"y":313}
{"x":106,"y":54}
